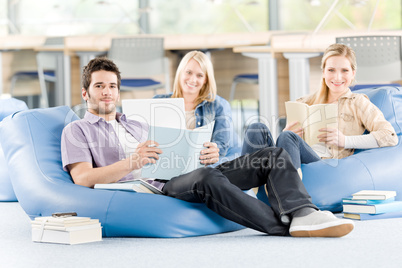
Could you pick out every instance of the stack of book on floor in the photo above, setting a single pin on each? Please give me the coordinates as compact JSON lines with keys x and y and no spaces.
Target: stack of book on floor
{"x":372,"y":204}
{"x":66,"y":230}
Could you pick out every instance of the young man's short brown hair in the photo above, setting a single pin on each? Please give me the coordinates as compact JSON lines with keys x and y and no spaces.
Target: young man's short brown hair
{"x":99,"y":64}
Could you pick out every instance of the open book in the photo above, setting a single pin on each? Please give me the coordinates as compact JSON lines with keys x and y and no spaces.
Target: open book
{"x":181,"y":150}
{"x":167,"y":112}
{"x":312,"y":118}
{"x":136,"y":185}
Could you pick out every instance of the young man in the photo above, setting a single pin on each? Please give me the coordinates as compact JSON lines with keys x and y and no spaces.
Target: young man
{"x":106,"y":147}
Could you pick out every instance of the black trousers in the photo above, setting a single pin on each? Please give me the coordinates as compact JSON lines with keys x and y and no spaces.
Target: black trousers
{"x":221,"y":188}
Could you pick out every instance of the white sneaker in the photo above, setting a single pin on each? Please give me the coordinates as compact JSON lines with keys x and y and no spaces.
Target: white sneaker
{"x":320,"y":224}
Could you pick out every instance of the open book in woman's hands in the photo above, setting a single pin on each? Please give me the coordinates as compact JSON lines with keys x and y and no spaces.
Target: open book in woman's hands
{"x":312,"y":118}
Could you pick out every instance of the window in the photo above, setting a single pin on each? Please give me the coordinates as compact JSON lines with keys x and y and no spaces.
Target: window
{"x":80,"y":17}
{"x":208,"y":16}
{"x":4,"y":23}
{"x":347,"y":14}
{"x":77,"y":17}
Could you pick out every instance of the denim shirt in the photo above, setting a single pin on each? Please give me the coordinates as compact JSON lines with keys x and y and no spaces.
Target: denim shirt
{"x":218,"y":110}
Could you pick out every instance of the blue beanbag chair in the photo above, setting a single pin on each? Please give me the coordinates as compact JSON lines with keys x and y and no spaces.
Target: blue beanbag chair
{"x":7,"y":107}
{"x":31,"y":143}
{"x":329,"y":181}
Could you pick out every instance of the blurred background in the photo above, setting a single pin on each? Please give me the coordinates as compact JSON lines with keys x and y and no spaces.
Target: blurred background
{"x":86,"y":28}
{"x":80,"y":17}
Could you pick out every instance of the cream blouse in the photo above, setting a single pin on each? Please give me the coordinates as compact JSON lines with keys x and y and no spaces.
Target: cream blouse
{"x":356,"y":113}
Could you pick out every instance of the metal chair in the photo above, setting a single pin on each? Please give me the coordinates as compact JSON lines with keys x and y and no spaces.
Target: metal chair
{"x":251,"y":79}
{"x":378,"y":58}
{"x":28,"y":76}
{"x":140,"y":59}
{"x":45,"y":73}
{"x":242,"y":78}
{"x":47,"y":64}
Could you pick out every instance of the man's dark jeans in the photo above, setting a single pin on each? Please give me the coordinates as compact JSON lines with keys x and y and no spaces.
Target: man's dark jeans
{"x":221,"y":188}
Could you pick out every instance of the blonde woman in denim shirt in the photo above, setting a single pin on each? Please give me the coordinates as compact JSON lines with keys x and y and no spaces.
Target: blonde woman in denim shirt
{"x":195,"y":82}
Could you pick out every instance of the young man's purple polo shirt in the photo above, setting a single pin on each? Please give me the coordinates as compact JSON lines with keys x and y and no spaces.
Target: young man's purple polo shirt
{"x":93,"y":140}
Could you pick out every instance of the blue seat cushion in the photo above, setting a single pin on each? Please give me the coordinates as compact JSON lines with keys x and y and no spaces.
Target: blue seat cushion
{"x":34,"y":73}
{"x":247,"y":76}
{"x":362,"y":86}
{"x":139,"y":82}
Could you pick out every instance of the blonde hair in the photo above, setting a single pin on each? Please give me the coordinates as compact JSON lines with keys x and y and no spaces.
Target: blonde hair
{"x":321,"y":96}
{"x":208,"y":91}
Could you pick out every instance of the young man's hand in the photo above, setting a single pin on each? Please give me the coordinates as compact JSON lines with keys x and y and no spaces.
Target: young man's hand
{"x":146,"y":153}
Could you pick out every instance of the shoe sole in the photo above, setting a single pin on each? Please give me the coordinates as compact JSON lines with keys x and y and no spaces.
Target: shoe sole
{"x":333,"y":231}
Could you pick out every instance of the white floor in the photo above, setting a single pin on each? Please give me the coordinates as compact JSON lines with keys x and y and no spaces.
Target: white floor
{"x":372,"y":244}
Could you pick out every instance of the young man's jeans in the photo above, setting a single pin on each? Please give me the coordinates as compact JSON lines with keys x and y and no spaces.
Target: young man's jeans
{"x":258,"y":136}
{"x":221,"y":188}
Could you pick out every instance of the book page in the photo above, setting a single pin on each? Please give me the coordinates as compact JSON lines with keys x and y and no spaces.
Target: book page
{"x":296,"y":112}
{"x":180,"y":151}
{"x":312,"y":118}
{"x":320,"y":116}
{"x":167,"y":112}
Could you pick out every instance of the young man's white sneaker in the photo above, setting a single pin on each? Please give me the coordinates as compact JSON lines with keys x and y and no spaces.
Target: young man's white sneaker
{"x":320,"y":224}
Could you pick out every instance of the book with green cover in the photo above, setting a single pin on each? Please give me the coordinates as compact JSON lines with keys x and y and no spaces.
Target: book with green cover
{"x":312,"y":118}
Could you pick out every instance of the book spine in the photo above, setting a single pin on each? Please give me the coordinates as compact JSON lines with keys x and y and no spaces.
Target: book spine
{"x":368,"y":202}
{"x":364,"y":217}
{"x":373,"y":209}
{"x":353,"y":208}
